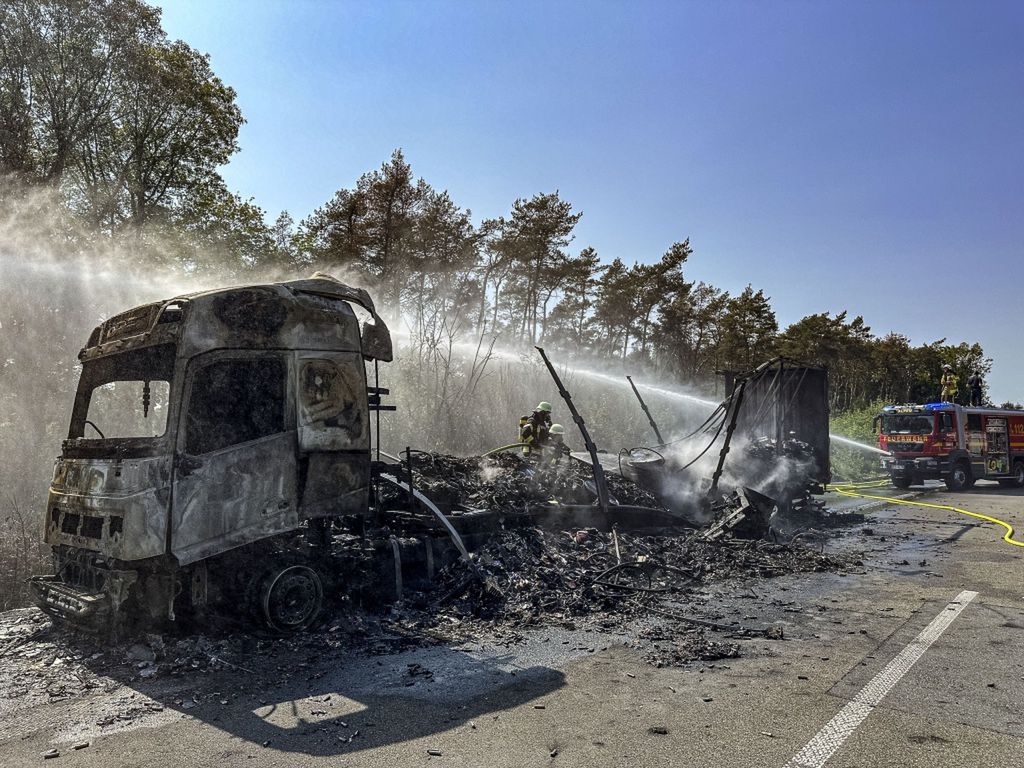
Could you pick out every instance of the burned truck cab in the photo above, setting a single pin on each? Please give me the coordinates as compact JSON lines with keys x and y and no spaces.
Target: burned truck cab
{"x":204,"y":427}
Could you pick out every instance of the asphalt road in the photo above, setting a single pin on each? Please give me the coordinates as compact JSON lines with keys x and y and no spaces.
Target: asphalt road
{"x":950,"y":696}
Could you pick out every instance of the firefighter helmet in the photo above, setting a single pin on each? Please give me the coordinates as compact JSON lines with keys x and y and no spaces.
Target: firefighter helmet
{"x":556,"y":429}
{"x":544,"y":407}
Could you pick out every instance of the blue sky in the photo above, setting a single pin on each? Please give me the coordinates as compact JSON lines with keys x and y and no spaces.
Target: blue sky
{"x":864,"y":156}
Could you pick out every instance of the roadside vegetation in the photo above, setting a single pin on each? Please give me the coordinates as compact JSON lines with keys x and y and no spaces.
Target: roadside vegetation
{"x":849,"y":463}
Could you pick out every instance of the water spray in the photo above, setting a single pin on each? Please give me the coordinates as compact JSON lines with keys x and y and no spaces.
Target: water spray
{"x":664,"y":392}
{"x":855,"y":444}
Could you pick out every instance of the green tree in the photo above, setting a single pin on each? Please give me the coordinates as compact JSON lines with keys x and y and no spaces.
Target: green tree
{"x":844,"y":347}
{"x":179,"y":124}
{"x":335,"y":234}
{"x":442,"y":255}
{"x":893,"y":373}
{"x":535,"y":234}
{"x":928,"y":359}
{"x":61,"y":62}
{"x":219,"y":231}
{"x":615,"y":309}
{"x":493,"y":269}
{"x":570,"y":318}
{"x":688,"y":333}
{"x":658,"y":284}
{"x":749,"y":331}
{"x":98,"y":102}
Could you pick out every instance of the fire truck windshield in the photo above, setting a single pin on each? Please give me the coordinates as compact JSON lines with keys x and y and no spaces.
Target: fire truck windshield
{"x":907,"y":424}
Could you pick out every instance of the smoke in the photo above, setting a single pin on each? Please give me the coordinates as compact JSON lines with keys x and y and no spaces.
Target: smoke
{"x":57,"y":282}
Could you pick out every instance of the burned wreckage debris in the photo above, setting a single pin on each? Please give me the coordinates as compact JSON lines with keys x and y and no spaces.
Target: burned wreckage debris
{"x":251,"y":476}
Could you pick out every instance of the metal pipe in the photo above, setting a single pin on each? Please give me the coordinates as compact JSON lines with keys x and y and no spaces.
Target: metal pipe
{"x":600,"y":482}
{"x":654,"y":426}
{"x":737,"y":402}
{"x":454,"y":534}
{"x":376,"y":386}
{"x":408,"y":465}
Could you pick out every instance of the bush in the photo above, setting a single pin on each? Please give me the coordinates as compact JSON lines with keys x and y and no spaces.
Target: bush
{"x":848,"y":462}
{"x":22,"y":553}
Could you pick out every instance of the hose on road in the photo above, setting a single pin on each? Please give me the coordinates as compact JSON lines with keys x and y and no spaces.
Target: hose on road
{"x":853,"y":490}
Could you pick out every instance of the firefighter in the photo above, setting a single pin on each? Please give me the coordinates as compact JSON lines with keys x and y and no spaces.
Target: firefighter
{"x":533,"y":429}
{"x":949,"y":384}
{"x":976,"y":383}
{"x":556,"y":449}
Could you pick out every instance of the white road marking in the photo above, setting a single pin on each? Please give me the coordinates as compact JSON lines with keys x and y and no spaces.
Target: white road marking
{"x":838,"y":729}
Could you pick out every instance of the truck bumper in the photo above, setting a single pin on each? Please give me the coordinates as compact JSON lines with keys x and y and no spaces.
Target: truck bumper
{"x":923,"y":467}
{"x":96,"y":608}
{"x":70,"y":603}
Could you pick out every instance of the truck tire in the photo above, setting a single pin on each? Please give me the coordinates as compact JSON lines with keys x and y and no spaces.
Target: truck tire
{"x":959,"y":476}
{"x":290,"y":598}
{"x":1017,"y":481}
{"x":902,"y":482}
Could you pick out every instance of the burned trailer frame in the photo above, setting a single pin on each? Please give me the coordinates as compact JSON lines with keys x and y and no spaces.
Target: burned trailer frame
{"x":785,"y":409}
{"x":779,"y":413}
{"x":267,"y":432}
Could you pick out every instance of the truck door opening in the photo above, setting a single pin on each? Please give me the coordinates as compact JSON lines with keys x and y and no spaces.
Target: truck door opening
{"x":235,"y":478}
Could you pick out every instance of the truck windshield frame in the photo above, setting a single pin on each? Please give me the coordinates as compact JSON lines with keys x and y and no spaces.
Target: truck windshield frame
{"x":146,"y":364}
{"x":908,"y":424}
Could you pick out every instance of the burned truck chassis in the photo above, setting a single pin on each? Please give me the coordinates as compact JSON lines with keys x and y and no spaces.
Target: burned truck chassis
{"x":279,"y":583}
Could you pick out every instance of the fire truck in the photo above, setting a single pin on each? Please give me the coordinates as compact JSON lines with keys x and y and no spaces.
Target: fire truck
{"x":951,"y":442}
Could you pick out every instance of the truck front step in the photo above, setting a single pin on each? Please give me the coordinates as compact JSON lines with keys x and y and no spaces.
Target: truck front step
{"x":74,"y":605}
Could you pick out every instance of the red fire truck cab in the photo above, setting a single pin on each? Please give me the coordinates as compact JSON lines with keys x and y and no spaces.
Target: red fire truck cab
{"x":953,"y":443}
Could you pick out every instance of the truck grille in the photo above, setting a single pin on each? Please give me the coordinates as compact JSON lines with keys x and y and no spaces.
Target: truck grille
{"x":89,"y":526}
{"x":92,"y":527}
{"x":81,"y":572}
{"x":70,"y":523}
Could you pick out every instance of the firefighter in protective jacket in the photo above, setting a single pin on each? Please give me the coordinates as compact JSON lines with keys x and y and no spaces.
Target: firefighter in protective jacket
{"x":556,"y":449}
{"x":533,"y":429}
{"x":949,"y":384}
{"x":976,"y":384}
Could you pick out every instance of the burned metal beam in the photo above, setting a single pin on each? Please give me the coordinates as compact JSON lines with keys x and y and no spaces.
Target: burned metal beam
{"x":600,"y":483}
{"x":736,"y":400}
{"x":650,"y":418}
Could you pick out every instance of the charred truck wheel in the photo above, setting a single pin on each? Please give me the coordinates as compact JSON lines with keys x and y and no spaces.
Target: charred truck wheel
{"x":290,"y":598}
{"x":959,"y":476}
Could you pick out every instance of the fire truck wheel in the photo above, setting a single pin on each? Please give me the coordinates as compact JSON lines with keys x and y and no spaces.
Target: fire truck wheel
{"x":291,"y":598}
{"x":959,"y":477}
{"x":1018,"y":474}
{"x":901,"y":482}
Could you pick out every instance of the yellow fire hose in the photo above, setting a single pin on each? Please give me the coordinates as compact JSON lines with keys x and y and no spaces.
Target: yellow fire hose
{"x":852,"y":489}
{"x":505,"y":448}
